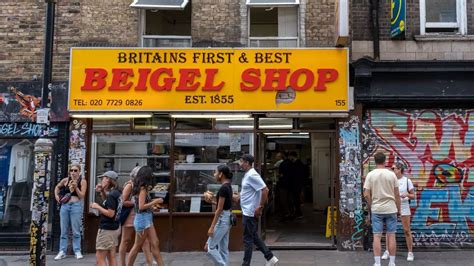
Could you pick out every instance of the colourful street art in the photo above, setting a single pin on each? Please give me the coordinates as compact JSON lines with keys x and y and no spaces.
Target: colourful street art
{"x":352,"y":233}
{"x":436,"y":146}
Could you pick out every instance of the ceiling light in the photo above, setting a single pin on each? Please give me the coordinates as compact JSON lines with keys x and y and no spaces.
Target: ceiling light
{"x":315,"y":115}
{"x":241,"y":126}
{"x":276,"y":126}
{"x":111,"y":116}
{"x":227,"y":116}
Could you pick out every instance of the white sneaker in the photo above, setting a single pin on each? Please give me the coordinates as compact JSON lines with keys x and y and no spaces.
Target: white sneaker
{"x":377,"y":264}
{"x":61,"y":255}
{"x":385,"y":255}
{"x":79,"y":255}
{"x":410,"y":256}
{"x":272,"y":261}
{"x":391,"y":264}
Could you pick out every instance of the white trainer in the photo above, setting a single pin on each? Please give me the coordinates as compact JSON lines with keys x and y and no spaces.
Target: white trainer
{"x":410,"y":256}
{"x":61,"y":255}
{"x":272,"y":261}
{"x":385,"y":255}
{"x":79,"y":255}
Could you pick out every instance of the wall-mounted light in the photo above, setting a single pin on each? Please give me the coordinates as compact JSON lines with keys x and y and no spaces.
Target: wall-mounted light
{"x":111,"y":116}
{"x":217,"y":116}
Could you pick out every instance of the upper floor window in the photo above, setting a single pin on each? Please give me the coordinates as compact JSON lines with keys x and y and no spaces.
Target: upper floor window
{"x":273,"y":23}
{"x":165,"y":23}
{"x":443,"y":16}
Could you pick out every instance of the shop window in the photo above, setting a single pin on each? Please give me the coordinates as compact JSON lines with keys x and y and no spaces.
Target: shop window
{"x":235,"y":124}
{"x":196,"y":157}
{"x":273,"y":26}
{"x":443,"y":16}
{"x":275,"y":123}
{"x":16,"y":183}
{"x":167,"y":27}
{"x":110,"y":124}
{"x":122,"y":152}
{"x":193,"y":123}
{"x":155,"y":122}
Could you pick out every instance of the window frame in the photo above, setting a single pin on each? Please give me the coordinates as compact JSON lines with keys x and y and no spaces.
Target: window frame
{"x":251,"y":39}
{"x":460,"y":25}
{"x":143,"y":36}
{"x":276,"y":4}
{"x":136,"y":4}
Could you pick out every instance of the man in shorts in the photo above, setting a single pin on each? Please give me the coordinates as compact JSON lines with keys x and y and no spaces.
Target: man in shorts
{"x":381,"y":193}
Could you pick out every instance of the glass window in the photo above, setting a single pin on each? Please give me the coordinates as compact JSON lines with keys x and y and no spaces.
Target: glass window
{"x":16,"y":182}
{"x":237,"y":124}
{"x":275,"y":123}
{"x":196,"y":157}
{"x":441,"y":11}
{"x":443,"y":16}
{"x":193,"y":123}
{"x":155,"y":122}
{"x":273,"y":27}
{"x":121,"y":152}
{"x":110,"y":124}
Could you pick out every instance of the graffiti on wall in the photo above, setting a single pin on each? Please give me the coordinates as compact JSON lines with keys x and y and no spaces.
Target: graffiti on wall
{"x":436,"y":146}
{"x":30,"y":130}
{"x":19,"y":101}
{"x":353,"y":230}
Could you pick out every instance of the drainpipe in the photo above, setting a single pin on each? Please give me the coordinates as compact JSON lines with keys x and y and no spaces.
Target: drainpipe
{"x":48,"y":52}
{"x":374,"y":19}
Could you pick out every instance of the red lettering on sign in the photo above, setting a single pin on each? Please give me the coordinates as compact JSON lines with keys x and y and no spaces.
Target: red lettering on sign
{"x":95,"y":79}
{"x":119,"y":79}
{"x":325,"y":76}
{"x":167,"y":82}
{"x":209,"y":85}
{"x":307,"y":83}
{"x":142,"y":79}
{"x":275,"y":75}
{"x":186,"y":80}
{"x":250,"y":76}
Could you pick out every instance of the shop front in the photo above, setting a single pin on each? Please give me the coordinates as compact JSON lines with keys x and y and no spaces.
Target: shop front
{"x":421,"y":115}
{"x":184,"y":112}
{"x":18,"y":133}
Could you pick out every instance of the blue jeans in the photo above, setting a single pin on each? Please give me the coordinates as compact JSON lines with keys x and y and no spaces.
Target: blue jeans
{"x":71,"y":216}
{"x":251,"y":237}
{"x":218,"y":243}
{"x":142,"y":221}
{"x":378,"y":220}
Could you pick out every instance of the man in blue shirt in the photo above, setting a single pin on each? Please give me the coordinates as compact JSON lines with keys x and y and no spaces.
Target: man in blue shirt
{"x":253,"y":197}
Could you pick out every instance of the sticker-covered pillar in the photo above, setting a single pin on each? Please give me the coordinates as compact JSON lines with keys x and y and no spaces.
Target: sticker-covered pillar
{"x":40,"y":201}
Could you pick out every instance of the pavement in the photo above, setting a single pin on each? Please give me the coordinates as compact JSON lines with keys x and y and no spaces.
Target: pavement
{"x":286,"y":257}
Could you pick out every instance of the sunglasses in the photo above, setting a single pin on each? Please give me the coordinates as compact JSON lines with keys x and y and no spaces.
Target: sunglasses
{"x":74,"y":170}
{"x":393,"y":168}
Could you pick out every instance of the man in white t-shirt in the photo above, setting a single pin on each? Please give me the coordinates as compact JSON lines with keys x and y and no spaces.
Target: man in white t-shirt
{"x":253,"y":197}
{"x":381,"y":192}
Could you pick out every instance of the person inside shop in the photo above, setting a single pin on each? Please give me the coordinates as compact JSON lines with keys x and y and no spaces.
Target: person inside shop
{"x":109,"y":227}
{"x":285,"y":172}
{"x":253,"y":197}
{"x":407,"y":193}
{"x":299,"y":176}
{"x":69,"y":193}
{"x":127,"y":226}
{"x":217,"y":245}
{"x":143,"y":222}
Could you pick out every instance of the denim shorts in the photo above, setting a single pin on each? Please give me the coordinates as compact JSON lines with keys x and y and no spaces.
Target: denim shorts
{"x":379,"y":220}
{"x":143,"y":220}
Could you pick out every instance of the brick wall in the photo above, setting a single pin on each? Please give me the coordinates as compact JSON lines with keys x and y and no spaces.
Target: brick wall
{"x":320,"y":23}
{"x":216,"y":23}
{"x":85,"y":22}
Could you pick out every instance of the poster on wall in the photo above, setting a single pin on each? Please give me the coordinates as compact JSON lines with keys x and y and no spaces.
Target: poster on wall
{"x":397,"y":18}
{"x":20,"y":101}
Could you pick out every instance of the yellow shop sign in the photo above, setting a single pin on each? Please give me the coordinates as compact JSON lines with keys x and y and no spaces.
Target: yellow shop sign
{"x":208,"y":79}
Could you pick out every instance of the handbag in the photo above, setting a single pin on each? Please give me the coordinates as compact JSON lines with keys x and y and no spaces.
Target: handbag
{"x":233,"y":218}
{"x":65,"y":198}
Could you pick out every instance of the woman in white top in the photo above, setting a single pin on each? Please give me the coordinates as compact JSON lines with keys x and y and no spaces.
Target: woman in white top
{"x":407,"y":192}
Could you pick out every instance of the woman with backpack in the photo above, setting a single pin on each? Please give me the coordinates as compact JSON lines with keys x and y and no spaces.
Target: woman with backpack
{"x":217,"y":245}
{"x":69,"y":194}
{"x":143,"y":222}
{"x":127,"y":226}
{"x":109,"y":225}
